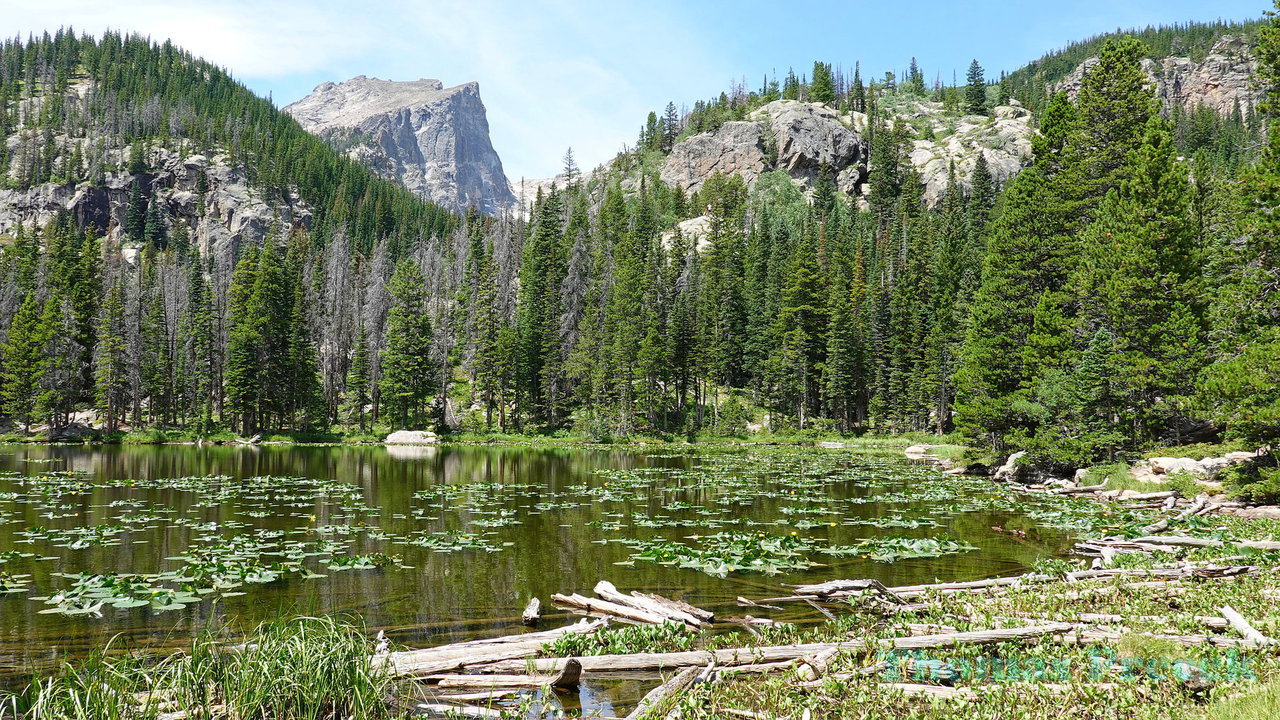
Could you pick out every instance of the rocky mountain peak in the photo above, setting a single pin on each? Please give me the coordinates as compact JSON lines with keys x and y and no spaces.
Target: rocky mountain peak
{"x":432,"y":139}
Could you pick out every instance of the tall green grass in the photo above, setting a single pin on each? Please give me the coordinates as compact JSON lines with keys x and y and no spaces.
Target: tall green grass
{"x":299,"y":669}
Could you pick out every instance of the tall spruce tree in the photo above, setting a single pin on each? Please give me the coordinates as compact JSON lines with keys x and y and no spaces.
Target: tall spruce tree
{"x":409,"y":378}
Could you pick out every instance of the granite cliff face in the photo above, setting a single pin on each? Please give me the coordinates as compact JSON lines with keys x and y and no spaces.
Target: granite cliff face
{"x":1221,"y":81}
{"x":797,"y":137}
{"x":800,"y":137}
{"x":432,"y":139}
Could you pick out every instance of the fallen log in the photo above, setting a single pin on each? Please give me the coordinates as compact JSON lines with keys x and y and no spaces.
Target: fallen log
{"x":1269,"y":545}
{"x":778,"y":653}
{"x":532,"y":612}
{"x":675,"y":604}
{"x":1093,"y":636}
{"x":844,"y":588}
{"x":1243,"y":627}
{"x":813,"y":667}
{"x":445,"y":658}
{"x":609,"y":608}
{"x":1079,"y":489}
{"x":568,"y":677}
{"x":608,"y":592}
{"x":657,"y":696}
{"x":473,"y":696}
{"x":466,"y":711}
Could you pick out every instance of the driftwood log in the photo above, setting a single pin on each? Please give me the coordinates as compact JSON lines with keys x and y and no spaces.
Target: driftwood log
{"x":659,"y":695}
{"x":776,"y":653}
{"x":608,"y":592}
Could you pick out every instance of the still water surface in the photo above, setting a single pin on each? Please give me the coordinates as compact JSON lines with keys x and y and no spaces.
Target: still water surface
{"x":550,"y":520}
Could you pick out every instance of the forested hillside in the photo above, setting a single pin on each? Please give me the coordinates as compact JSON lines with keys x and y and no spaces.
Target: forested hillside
{"x":1117,"y":293}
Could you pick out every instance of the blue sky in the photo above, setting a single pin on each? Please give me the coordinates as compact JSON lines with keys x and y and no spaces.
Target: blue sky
{"x":560,"y":74}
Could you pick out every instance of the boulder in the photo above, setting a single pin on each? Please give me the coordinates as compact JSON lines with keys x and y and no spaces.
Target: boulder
{"x":810,"y":135}
{"x":1170,"y":465}
{"x":1263,"y":512}
{"x":412,"y":437}
{"x":1240,"y":456}
{"x":1011,"y":470}
{"x":1214,"y":465}
{"x":734,"y":148}
{"x":696,"y":231}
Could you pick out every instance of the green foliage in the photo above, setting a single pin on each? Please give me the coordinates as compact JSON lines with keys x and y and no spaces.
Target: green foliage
{"x":1256,"y":481}
{"x":408,"y":374}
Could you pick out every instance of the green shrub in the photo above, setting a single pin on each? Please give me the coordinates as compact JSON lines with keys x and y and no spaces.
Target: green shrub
{"x":1253,"y":481}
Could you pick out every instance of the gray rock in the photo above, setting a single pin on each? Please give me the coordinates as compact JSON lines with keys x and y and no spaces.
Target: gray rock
{"x":227,"y":214}
{"x":1011,"y":470}
{"x":810,"y":135}
{"x":803,"y":136}
{"x":1263,"y":512}
{"x":735,"y":148}
{"x":1223,"y":79}
{"x":433,"y":140}
{"x":1004,"y":139}
{"x":411,"y":437}
{"x":1170,"y":465}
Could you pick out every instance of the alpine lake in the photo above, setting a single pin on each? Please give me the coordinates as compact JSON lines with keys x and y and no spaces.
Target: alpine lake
{"x":141,"y":547}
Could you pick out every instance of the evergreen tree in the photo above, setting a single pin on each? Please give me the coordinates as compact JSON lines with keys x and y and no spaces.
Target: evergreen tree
{"x":975,"y":92}
{"x":409,"y":379}
{"x":357,"y":383}
{"x":25,"y":362}
{"x":821,"y":87}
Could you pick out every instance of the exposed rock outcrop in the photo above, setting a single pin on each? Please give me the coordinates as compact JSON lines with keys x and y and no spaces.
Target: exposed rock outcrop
{"x":796,"y":137}
{"x":799,"y":138}
{"x":433,"y":140}
{"x":735,"y":148}
{"x":1221,"y":81}
{"x":412,"y":437}
{"x":210,"y":195}
{"x":1004,"y":139}
{"x":810,"y":135}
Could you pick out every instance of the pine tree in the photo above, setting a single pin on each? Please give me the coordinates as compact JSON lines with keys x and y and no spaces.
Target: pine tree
{"x":1241,"y":389}
{"x":357,"y":383}
{"x":25,"y":362}
{"x":975,"y":92}
{"x":1139,"y":280}
{"x":859,"y":99}
{"x":821,"y":88}
{"x":409,"y":378}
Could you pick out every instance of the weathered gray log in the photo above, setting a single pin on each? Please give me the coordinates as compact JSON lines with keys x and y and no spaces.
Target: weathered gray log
{"x":609,"y":608}
{"x":532,"y":612}
{"x":472,"y":696}
{"x":815,"y":666}
{"x":1091,"y":636}
{"x":569,"y":676}
{"x":660,"y":694}
{"x":466,"y":711}
{"x":608,"y":592}
{"x":445,"y":658}
{"x":1243,"y":627}
{"x":1081,"y":488}
{"x":778,"y":653}
{"x":1207,"y":542}
{"x":843,"y":588}
{"x":676,"y":604}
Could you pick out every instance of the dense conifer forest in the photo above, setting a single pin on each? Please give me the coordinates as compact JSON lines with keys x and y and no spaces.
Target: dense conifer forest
{"x":1119,"y":292}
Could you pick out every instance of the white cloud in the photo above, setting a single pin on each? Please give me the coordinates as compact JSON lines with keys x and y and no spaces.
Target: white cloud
{"x":253,"y":39}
